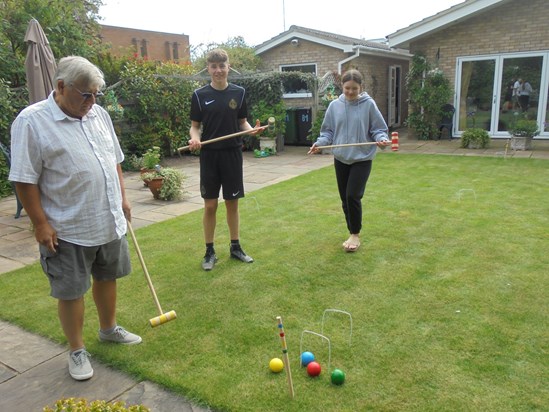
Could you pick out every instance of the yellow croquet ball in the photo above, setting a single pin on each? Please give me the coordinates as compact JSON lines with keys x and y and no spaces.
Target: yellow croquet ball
{"x":276,"y":365}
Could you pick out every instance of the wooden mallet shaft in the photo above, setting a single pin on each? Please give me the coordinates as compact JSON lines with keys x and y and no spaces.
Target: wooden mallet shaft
{"x":163,"y":317}
{"x":269,"y":126}
{"x":346,"y":145}
{"x":394,"y":143}
{"x":285,"y":355}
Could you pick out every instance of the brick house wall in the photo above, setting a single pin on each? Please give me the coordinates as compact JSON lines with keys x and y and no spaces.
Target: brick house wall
{"x":306,"y":52}
{"x":155,"y":46}
{"x":375,"y":70}
{"x":511,"y":27}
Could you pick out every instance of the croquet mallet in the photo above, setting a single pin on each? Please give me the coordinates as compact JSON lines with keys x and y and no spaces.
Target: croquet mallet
{"x":394,"y":143}
{"x":285,"y":358}
{"x":163,"y":317}
{"x":270,"y":125}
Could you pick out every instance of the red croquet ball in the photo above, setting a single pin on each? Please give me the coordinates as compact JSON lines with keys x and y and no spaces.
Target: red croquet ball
{"x":314,"y":369}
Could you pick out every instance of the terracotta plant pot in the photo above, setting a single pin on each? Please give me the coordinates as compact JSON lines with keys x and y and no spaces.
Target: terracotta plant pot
{"x":155,"y":185}
{"x":144,"y":170}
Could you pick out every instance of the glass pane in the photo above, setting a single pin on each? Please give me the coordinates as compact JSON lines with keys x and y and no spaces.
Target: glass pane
{"x":296,"y":85}
{"x":546,"y":121}
{"x":520,"y":85}
{"x":475,"y":106}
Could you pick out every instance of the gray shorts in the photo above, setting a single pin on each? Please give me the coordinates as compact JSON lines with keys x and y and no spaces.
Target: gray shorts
{"x":69,"y":268}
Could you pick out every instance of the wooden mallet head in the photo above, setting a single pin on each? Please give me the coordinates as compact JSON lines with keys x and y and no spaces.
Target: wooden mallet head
{"x":165,"y":317}
{"x":394,"y":141}
{"x":271,"y":123}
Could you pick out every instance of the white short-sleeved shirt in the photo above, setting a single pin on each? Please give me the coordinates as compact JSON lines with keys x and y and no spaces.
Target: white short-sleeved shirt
{"x":74,"y":163}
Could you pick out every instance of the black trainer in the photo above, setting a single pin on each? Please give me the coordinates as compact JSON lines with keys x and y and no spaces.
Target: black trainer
{"x":209,"y":261}
{"x":238,"y":253}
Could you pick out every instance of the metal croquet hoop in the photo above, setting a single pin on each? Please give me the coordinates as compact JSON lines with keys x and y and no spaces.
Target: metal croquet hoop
{"x":320,"y":336}
{"x":462,"y":192}
{"x":342,"y":312}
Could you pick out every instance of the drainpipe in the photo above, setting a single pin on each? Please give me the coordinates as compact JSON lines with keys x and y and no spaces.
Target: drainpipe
{"x":348,"y":59}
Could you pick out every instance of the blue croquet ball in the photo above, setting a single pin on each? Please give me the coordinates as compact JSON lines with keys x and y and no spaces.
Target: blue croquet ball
{"x":338,"y":377}
{"x":306,"y":358}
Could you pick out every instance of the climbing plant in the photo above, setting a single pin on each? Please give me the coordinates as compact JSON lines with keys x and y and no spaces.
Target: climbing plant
{"x":156,"y":101}
{"x":429,"y":90}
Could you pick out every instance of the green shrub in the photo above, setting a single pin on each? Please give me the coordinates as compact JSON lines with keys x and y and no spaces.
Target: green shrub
{"x":156,"y":100}
{"x":429,"y":90}
{"x":110,"y":103}
{"x":524,"y":128}
{"x":316,"y":125}
{"x":263,"y":110}
{"x":7,"y":113}
{"x":82,"y":405}
{"x":172,"y":182}
{"x":474,"y":138}
{"x":151,"y":157}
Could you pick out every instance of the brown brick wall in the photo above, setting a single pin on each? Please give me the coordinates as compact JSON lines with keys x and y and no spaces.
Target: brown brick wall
{"x":159,"y":46}
{"x":324,"y":57}
{"x":375,"y":69}
{"x":516,"y":26}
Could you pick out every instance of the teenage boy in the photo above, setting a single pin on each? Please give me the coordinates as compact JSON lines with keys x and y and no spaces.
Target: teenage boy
{"x":219,"y":109}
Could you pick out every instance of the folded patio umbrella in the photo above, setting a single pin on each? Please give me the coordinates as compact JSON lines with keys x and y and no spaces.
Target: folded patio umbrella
{"x":40,"y":63}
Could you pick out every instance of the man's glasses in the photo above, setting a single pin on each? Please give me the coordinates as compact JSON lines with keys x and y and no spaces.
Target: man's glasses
{"x":88,"y":95}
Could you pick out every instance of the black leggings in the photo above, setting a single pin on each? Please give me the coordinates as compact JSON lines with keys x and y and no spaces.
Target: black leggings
{"x":351,"y":183}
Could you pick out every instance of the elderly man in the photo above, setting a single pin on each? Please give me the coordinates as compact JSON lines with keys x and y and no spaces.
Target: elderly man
{"x":66,"y":168}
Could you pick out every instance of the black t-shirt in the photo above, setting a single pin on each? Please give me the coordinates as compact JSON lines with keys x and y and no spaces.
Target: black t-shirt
{"x":219,"y":112}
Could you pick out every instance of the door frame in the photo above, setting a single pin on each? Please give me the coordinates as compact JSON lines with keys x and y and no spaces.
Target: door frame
{"x":394,"y":94}
{"x":497,"y":90}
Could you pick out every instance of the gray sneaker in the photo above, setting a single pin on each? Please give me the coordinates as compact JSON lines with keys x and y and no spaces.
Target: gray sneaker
{"x":209,"y":261}
{"x":238,"y":253}
{"x":120,"y":335}
{"x":79,"y":365}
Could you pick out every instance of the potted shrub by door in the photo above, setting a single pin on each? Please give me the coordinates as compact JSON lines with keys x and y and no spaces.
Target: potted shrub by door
{"x":165,"y":183}
{"x":522,"y":133}
{"x":150,"y":159}
{"x":475,"y":138}
{"x":262,"y":112}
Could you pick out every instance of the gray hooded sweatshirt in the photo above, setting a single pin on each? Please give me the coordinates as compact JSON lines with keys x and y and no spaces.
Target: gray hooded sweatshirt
{"x":356,"y":121}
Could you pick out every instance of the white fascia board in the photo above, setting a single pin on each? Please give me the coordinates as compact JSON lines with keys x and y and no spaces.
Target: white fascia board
{"x":346,"y":48}
{"x":439,"y":21}
{"x":397,"y":54}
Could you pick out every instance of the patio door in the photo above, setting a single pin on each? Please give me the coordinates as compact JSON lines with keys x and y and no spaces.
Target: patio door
{"x":487,"y":91}
{"x":393,"y":111}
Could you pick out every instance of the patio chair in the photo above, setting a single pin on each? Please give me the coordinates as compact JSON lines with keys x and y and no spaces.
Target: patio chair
{"x":7,"y":157}
{"x":447,"y":121}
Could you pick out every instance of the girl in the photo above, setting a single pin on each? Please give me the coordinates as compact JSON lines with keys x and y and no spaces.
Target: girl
{"x":352,"y":118}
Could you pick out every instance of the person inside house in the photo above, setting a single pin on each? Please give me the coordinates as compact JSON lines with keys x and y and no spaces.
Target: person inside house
{"x":517,"y":87}
{"x":353,"y":118}
{"x":525,"y":92}
{"x":66,"y":168}
{"x":219,"y":109}
{"x":508,"y":96}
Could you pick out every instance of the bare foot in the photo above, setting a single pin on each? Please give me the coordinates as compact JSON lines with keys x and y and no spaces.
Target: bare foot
{"x":352,"y":244}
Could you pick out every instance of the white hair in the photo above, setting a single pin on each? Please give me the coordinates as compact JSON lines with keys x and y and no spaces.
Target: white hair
{"x":76,"y":69}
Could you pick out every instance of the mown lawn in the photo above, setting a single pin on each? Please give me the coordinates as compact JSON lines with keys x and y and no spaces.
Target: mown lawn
{"x":447,"y":294}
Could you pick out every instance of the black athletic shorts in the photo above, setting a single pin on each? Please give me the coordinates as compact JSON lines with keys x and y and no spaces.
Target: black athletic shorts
{"x":221,"y":168}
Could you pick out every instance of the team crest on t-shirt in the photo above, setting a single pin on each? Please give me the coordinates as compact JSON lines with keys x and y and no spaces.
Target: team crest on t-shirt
{"x":232,"y":104}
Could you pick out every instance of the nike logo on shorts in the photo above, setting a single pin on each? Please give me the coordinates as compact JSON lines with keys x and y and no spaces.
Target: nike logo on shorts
{"x":234,"y":194}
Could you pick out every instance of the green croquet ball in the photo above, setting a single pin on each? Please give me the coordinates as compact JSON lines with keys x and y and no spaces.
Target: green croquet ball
{"x":338,"y":377}
{"x":276,"y":365}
